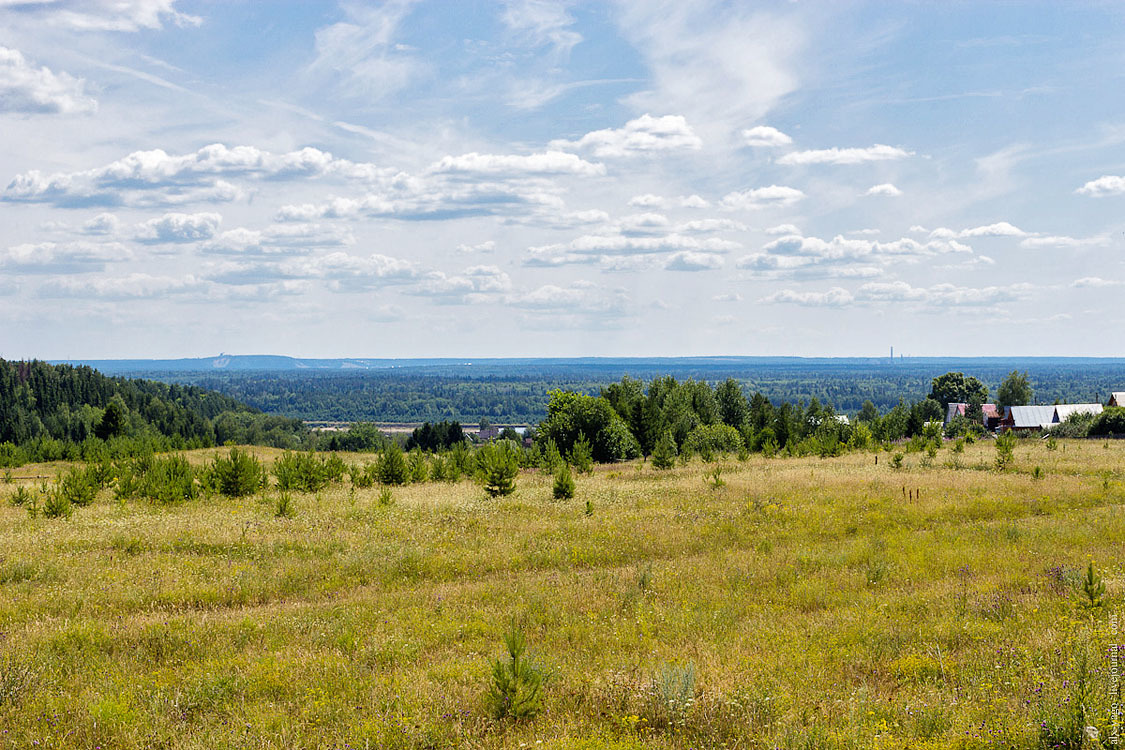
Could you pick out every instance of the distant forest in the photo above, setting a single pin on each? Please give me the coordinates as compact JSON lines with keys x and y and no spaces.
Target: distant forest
{"x":518,"y":392}
{"x":49,"y":411}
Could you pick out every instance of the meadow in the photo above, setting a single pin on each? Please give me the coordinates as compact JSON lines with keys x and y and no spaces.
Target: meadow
{"x":781,"y":602}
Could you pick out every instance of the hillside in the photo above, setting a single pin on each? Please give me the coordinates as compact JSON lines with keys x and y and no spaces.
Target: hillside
{"x":43,"y":402}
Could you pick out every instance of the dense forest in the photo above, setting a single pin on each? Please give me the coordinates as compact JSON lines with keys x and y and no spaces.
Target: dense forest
{"x":48,"y":411}
{"x":517,"y":391}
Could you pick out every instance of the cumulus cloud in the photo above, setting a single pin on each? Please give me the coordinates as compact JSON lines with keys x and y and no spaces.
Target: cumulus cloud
{"x":812,"y":257}
{"x":579,"y":303}
{"x":592,"y":248}
{"x":999,"y":229}
{"x":878,"y":152}
{"x":27,"y":89}
{"x":1095,"y":282}
{"x":481,"y":247}
{"x":686,"y":260}
{"x":774,"y":195}
{"x":886,"y":190}
{"x":103,"y":15}
{"x":102,"y":224}
{"x":178,"y":227}
{"x":644,"y":135}
{"x":765,"y":136}
{"x":784,"y":229}
{"x":649,"y":200}
{"x":705,"y":226}
{"x":834,"y":297}
{"x":131,"y":286}
{"x":278,"y":239}
{"x":1103,"y":186}
{"x":63,"y":257}
{"x":548,"y":163}
{"x":898,"y":292}
{"x":156,"y":177}
{"x":471,"y":285}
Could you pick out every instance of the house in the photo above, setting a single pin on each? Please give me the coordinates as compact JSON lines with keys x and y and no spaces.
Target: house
{"x":491,"y":432}
{"x":1064,"y":411}
{"x":1041,"y":417}
{"x":953,"y":410}
{"x":1027,"y":418}
{"x":1117,"y":398}
{"x":989,"y":414}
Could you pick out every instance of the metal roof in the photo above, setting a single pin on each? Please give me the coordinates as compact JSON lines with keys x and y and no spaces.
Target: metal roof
{"x":1031,"y":417}
{"x":1062,"y":411}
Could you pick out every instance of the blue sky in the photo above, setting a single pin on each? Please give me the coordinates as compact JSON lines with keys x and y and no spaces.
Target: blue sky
{"x":532,"y":178}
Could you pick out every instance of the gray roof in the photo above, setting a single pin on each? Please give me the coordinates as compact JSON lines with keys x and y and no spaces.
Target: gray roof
{"x":1062,"y":411}
{"x":1030,"y":417}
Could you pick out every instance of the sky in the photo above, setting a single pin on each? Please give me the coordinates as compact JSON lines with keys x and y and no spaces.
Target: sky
{"x":544,"y":178}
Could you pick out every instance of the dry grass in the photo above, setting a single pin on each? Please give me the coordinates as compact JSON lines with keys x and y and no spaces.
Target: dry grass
{"x":820,"y":606}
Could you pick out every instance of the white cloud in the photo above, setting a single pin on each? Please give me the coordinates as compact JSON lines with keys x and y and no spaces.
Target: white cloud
{"x":132,"y":286}
{"x":278,"y":239}
{"x":590,"y":248}
{"x":899,"y":292}
{"x":474,"y":284}
{"x":178,"y":227}
{"x":103,"y":224}
{"x":704,"y":226}
{"x":65,"y":257}
{"x":878,"y":152}
{"x":999,"y":229}
{"x":644,"y":135}
{"x":784,"y":229}
{"x":549,"y":163}
{"x":729,"y":297}
{"x":686,"y":260}
{"x":27,"y":89}
{"x":1095,"y":282}
{"x":719,"y":63}
{"x":774,"y":195}
{"x":540,"y":23}
{"x":1063,"y":242}
{"x":1104,"y":185}
{"x":649,"y":200}
{"x":834,"y":297}
{"x":765,"y":136}
{"x":156,"y":177}
{"x":645,"y":223}
{"x":481,"y":247}
{"x":104,"y":15}
{"x":886,"y":189}
{"x":360,"y":56}
{"x":811,"y":257}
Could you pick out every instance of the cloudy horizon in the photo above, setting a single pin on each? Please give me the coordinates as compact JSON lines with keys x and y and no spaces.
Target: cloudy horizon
{"x":535,"y":178}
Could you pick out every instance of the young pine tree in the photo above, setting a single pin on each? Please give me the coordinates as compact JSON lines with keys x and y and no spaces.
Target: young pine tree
{"x":664,"y":453}
{"x":564,"y":483}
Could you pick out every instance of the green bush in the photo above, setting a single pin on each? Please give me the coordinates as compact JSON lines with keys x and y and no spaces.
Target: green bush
{"x":168,"y":480}
{"x":78,"y":486}
{"x":55,"y":505}
{"x":417,"y":467}
{"x":497,"y":467}
{"x":714,"y":438}
{"x":362,"y":476}
{"x":307,"y":472}
{"x":1005,"y":449}
{"x":1109,"y":422}
{"x":237,"y":475}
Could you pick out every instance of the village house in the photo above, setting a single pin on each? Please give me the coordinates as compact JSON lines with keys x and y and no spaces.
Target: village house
{"x":1042,"y":417}
{"x":1117,"y":398}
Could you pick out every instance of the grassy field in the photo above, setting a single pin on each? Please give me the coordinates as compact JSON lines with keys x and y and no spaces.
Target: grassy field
{"x":820,"y":603}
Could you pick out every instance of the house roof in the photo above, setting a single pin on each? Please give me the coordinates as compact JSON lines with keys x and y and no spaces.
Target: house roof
{"x":1119,"y":397}
{"x":1062,"y":411}
{"x":1031,"y":417}
{"x":954,"y":409}
{"x":989,"y":410}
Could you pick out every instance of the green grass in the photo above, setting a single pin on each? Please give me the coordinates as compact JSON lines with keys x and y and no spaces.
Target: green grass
{"x":820,"y":603}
